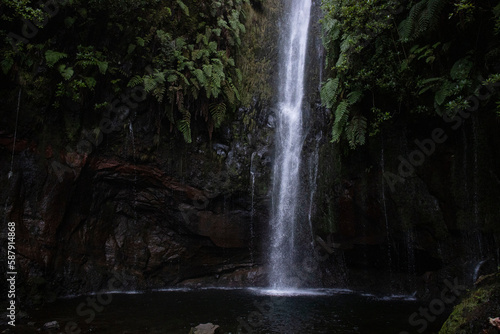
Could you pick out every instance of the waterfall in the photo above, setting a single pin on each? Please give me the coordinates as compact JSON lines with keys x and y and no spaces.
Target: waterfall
{"x":252,"y":210}
{"x":289,"y":140}
{"x":134,"y":187}
{"x":475,"y":197}
{"x":313,"y":176}
{"x":384,"y":207}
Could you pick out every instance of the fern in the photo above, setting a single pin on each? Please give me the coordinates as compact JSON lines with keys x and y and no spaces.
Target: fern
{"x":229,"y":94}
{"x":52,"y":57}
{"x":103,"y":66}
{"x":184,"y":126}
{"x":434,"y":9}
{"x":66,"y":72}
{"x":423,"y":17}
{"x":90,"y":82}
{"x":183,"y":6}
{"x":407,"y":26}
{"x":235,"y":91}
{"x":341,"y":116}
{"x":136,"y":81}
{"x":7,"y":64}
{"x":356,"y":131}
{"x":212,"y":46}
{"x":329,"y":92}
{"x":172,"y":78}
{"x":207,"y":69}
{"x":445,"y":91}
{"x":218,"y":112}
{"x":354,"y":96}
{"x":239,"y":75}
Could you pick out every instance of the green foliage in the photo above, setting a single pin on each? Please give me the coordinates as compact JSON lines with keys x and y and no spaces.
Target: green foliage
{"x":6,"y":64}
{"x":329,"y":92}
{"x":87,"y":57}
{"x":353,"y":130}
{"x":218,"y":112}
{"x":349,"y":31}
{"x":413,"y":61}
{"x":184,"y":126}
{"x":356,"y":131}
{"x":20,"y":9}
{"x":182,"y":52}
{"x":66,"y":72}
{"x":341,"y":116}
{"x":423,"y":18}
{"x":52,"y":57}
{"x":184,"y":8}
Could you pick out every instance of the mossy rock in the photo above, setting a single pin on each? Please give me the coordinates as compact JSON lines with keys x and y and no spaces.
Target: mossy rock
{"x":472,"y":315}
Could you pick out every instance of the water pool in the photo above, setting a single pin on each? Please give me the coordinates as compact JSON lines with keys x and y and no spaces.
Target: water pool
{"x":236,"y":311}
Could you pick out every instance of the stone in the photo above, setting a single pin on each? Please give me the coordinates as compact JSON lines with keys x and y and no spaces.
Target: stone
{"x":51,"y":325}
{"x":207,"y":328}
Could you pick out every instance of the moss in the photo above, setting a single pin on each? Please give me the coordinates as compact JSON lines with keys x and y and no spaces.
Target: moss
{"x":258,"y":49}
{"x":472,"y":314}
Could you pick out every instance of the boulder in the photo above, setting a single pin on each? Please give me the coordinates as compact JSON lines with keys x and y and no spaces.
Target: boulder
{"x":51,"y":325}
{"x":207,"y":328}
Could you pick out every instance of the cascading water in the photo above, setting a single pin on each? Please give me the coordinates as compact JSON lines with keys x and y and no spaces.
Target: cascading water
{"x":384,"y":206}
{"x":313,"y":176}
{"x":252,"y":209}
{"x":286,"y":182}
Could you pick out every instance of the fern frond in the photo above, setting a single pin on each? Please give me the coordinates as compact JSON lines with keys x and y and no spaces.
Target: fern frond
{"x":184,"y":126}
{"x":407,"y":26}
{"x":329,"y":92}
{"x":434,"y":9}
{"x":445,"y":91}
{"x":229,"y":94}
{"x":354,"y":96}
{"x":135,"y":81}
{"x":356,"y":131}
{"x":52,"y":57}
{"x":341,"y":116}
{"x":183,"y":6}
{"x":218,"y":112}
{"x":159,"y":93}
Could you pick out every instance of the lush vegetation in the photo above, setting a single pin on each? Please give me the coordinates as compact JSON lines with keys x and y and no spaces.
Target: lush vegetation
{"x":82,"y":55}
{"x":391,"y":59}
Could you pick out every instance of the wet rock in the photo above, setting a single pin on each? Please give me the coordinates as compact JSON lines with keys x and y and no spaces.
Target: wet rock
{"x":208,"y":328}
{"x":221,"y":149}
{"x":51,"y":325}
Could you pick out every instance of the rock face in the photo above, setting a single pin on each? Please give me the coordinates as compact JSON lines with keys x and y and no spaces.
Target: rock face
{"x":178,"y":214}
{"x":156,"y":214}
{"x":394,"y":206}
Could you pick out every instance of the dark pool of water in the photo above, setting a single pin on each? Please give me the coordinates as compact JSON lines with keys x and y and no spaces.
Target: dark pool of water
{"x":235,"y":311}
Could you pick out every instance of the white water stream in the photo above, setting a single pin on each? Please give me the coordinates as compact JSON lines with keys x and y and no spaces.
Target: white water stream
{"x":286,"y":182}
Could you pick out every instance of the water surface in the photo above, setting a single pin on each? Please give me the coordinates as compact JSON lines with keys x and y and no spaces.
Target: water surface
{"x":236,"y":311}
